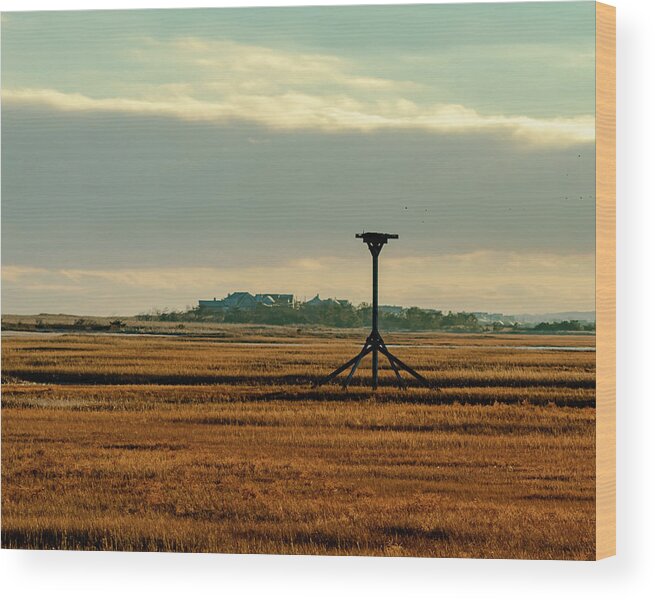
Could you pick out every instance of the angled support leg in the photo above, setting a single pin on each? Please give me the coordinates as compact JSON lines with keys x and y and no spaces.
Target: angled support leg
{"x":338,"y":371}
{"x":401,"y":383}
{"x":353,"y":362}
{"x":402,"y":365}
{"x":365,"y":350}
{"x":374,"y":344}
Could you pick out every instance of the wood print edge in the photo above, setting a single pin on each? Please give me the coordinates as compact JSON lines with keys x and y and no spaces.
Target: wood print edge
{"x":605,"y":280}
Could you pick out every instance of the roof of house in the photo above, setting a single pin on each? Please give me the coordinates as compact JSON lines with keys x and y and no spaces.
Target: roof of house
{"x":317,"y":301}
{"x":248,"y":300}
{"x":239,"y":299}
{"x":276,"y":298}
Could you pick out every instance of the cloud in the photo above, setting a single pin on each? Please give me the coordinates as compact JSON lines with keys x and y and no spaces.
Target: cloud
{"x":222,"y":81}
{"x":293,"y":111}
{"x":483,"y":280}
{"x":230,"y":66}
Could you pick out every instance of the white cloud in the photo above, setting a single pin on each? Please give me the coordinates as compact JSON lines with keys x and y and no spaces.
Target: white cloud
{"x":230,"y":66}
{"x":325,"y":113}
{"x":226,"y":81}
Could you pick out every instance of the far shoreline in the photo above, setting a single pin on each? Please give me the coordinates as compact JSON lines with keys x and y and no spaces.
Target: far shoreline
{"x":14,"y":326}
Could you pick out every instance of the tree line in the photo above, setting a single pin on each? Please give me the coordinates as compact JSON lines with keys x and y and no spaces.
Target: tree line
{"x":348,"y":315}
{"x":330,"y":315}
{"x":572,"y":325}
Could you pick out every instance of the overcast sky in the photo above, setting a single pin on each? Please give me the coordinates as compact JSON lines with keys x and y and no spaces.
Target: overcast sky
{"x":151,"y":158}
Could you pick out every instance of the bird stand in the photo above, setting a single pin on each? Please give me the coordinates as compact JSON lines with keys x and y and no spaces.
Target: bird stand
{"x":374,"y":343}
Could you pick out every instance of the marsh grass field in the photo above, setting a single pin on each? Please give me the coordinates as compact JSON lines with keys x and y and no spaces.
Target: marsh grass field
{"x":220,"y":443}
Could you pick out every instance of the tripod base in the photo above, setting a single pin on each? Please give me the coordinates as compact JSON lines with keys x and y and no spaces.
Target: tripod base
{"x":374,"y":344}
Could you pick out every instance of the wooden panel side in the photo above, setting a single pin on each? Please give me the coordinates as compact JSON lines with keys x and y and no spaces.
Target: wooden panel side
{"x":605,"y":280}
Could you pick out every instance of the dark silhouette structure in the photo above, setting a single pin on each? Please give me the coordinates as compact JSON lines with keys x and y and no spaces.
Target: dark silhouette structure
{"x":374,"y":343}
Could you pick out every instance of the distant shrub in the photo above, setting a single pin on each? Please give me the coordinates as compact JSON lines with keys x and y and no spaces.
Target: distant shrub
{"x":572,"y":325}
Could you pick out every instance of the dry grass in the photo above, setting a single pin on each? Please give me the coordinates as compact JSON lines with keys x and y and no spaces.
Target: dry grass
{"x":144,"y":443}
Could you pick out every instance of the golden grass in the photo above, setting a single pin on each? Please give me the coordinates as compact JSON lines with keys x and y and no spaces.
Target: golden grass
{"x":133,"y":443}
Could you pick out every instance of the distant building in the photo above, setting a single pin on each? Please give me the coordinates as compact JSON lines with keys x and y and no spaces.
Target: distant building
{"x":490,"y":318}
{"x":247,"y":301}
{"x":275,"y":299}
{"x":391,"y":310}
{"x":317,"y":301}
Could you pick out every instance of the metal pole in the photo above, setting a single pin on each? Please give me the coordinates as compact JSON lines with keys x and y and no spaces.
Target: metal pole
{"x":375,"y":290}
{"x":374,"y":364}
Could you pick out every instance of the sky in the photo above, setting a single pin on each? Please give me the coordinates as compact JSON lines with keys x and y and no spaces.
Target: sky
{"x":151,"y":158}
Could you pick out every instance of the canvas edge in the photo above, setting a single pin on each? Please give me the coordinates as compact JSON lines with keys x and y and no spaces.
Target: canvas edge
{"x":605,"y":280}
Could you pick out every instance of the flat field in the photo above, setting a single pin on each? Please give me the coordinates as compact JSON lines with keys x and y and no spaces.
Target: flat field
{"x":221,"y":444}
